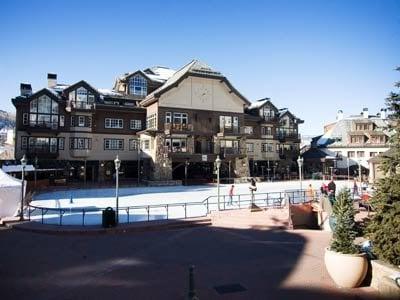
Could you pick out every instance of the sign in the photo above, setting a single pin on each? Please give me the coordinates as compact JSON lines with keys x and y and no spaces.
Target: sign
{"x":204,"y":157}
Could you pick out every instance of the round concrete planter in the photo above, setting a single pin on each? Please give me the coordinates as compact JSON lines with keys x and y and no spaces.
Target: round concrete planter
{"x":346,"y":270}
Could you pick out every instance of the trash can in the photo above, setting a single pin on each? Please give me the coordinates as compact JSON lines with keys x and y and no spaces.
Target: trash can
{"x":108,"y":219}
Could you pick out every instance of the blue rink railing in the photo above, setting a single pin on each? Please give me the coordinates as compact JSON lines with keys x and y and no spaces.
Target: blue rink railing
{"x":129,"y":214}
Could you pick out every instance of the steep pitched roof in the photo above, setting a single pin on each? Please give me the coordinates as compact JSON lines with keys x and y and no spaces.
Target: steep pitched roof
{"x":260,"y":103}
{"x":194,"y":68}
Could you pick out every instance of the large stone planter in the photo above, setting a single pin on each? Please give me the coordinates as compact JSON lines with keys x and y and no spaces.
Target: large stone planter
{"x":346,"y":270}
{"x":382,"y":279}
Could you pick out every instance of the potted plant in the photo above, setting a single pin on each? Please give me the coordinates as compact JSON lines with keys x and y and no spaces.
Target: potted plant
{"x":345,"y":263}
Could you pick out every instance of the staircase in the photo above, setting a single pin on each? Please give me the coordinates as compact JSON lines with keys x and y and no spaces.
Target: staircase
{"x":246,"y":219}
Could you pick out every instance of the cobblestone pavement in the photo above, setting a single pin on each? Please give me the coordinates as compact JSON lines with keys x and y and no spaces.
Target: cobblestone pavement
{"x":267,"y":264}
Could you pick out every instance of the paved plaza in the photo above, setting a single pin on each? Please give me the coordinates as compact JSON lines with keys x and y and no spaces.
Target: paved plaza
{"x":264,"y":264}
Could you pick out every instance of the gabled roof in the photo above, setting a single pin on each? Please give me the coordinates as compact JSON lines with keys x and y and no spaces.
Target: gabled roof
{"x":194,"y":68}
{"x":45,"y":91}
{"x":285,"y":111}
{"x":79,"y":84}
{"x":261,"y":103}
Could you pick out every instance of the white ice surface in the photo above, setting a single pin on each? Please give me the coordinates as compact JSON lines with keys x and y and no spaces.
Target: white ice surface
{"x":93,"y":200}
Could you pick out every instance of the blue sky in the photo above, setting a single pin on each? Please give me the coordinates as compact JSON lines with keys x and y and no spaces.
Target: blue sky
{"x":314,"y":57}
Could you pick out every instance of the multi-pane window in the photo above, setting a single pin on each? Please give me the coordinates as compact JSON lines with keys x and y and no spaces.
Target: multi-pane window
{"x":133,"y":145}
{"x":25,"y":119}
{"x":168,"y":117}
{"x":248,"y":129}
{"x":235,"y":122}
{"x":180,"y":118}
{"x":151,"y":121}
{"x":378,"y":139}
{"x":24,"y":142}
{"x":114,"y":123}
{"x":146,"y":145}
{"x":250,"y":147}
{"x":362,"y":126}
{"x":80,"y":143}
{"x":266,"y":130}
{"x":41,"y":144}
{"x":360,"y":153}
{"x":43,"y":112}
{"x":351,"y":154}
{"x":373,"y":154}
{"x":81,"y":121}
{"x":81,"y":98}
{"x":61,"y":142}
{"x":62,"y":121}
{"x":113,"y":144}
{"x":357,"y":139}
{"x":267,"y":147}
{"x":138,"y":86}
{"x":176,"y":145}
{"x":136,"y":124}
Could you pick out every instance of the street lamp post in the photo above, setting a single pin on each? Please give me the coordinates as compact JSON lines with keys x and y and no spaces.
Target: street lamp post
{"x":36,"y":165}
{"x":186,"y":169}
{"x":300,"y":162}
{"x":268,"y":169}
{"x":23,"y":164}
{"x":359,"y":171}
{"x":218,"y":164}
{"x":348,"y":172}
{"x":138,"y":169}
{"x":331,"y":172}
{"x":117,"y":163}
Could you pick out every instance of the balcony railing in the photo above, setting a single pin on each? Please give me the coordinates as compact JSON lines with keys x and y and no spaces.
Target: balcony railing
{"x":270,"y":118}
{"x":44,"y":124}
{"x":283,"y":136}
{"x":178,"y":127}
{"x":231,"y":151}
{"x":81,"y":105}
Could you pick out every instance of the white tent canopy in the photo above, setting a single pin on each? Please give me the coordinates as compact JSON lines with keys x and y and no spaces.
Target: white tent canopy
{"x":10,"y":195}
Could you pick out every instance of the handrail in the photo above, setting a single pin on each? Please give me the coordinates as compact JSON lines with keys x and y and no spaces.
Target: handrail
{"x":271,"y":199}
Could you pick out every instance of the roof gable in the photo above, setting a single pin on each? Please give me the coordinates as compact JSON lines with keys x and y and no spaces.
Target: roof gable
{"x":79,"y":84}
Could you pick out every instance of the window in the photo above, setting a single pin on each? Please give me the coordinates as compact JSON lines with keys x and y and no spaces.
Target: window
{"x":265,"y":147}
{"x":80,"y":143}
{"x":113,"y":144}
{"x":61,"y":142}
{"x":360,"y":153}
{"x":250,"y":147}
{"x":72,"y":121}
{"x":168,"y":117}
{"x":266,"y":130}
{"x":133,"y":145}
{"x":362,"y":126}
{"x":146,"y":145}
{"x":24,"y":142}
{"x":114,"y":123}
{"x":373,"y":154}
{"x":81,"y":121}
{"x":378,"y":139}
{"x":25,"y":119}
{"x":151,"y":121}
{"x":136,"y":124}
{"x":235,"y":122}
{"x":248,"y":130}
{"x":351,"y":154}
{"x":180,"y":118}
{"x":225,"y":122}
{"x":176,"y":145}
{"x":138,"y":86}
{"x":62,"y":121}
{"x":357,"y":139}
{"x":43,"y":112}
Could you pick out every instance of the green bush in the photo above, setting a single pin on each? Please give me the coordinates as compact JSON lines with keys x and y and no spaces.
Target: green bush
{"x":345,"y":231}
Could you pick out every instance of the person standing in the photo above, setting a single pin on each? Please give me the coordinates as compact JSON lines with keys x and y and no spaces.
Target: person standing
{"x":355,"y":188}
{"x":310,"y":193}
{"x":332,"y":191}
{"x":231,"y":194}
{"x":252,"y":188}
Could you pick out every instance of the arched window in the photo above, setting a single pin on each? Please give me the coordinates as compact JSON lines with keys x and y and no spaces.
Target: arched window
{"x":138,"y":86}
{"x":43,"y":112}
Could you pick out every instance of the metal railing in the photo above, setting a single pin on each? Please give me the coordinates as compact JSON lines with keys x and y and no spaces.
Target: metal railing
{"x":130,"y":214}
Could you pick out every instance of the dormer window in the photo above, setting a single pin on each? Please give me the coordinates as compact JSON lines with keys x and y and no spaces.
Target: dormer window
{"x":138,"y":86}
{"x":81,"y":98}
{"x":43,"y":112}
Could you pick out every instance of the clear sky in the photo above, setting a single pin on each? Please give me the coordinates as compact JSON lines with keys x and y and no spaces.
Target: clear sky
{"x":313,"y":57}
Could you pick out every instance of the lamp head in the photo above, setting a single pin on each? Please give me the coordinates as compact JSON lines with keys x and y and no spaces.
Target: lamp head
{"x":117,"y":163}
{"x":218,"y":161}
{"x":23,"y":161}
{"x":300,"y":161}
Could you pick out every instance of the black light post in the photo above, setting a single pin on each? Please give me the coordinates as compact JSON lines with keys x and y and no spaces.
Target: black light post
{"x":117,"y":163}
{"x":23,"y":164}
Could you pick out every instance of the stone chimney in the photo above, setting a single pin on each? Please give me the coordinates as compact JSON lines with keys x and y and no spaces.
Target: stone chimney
{"x":51,"y":80}
{"x":365,"y":113}
{"x":25,"y":89}
{"x":383,"y":113}
{"x":339,"y":115}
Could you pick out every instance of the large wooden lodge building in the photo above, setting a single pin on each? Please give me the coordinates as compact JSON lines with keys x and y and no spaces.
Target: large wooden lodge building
{"x":162,"y":123}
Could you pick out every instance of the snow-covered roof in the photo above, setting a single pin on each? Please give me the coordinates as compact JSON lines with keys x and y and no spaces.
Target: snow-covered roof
{"x":108,"y":92}
{"x":17,"y":168}
{"x":259,"y":103}
{"x":157,"y":73}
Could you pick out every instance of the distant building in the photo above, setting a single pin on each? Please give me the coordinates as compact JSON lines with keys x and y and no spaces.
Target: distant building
{"x":348,"y":144}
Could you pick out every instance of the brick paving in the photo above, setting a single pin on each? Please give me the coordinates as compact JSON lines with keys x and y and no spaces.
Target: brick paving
{"x":269,"y":264}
